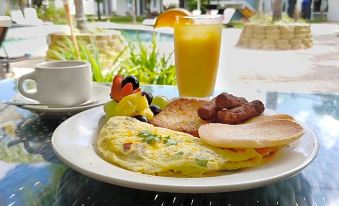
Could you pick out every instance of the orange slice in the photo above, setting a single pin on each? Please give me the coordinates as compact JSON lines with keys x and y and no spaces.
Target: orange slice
{"x":167,"y":18}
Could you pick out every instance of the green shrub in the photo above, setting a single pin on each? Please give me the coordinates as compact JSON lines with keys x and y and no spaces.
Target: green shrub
{"x":137,"y":58}
{"x":147,"y":64}
{"x":52,"y":14}
{"x":125,"y":19}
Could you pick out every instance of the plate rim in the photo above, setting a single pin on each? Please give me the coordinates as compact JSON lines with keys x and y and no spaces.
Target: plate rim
{"x":151,"y":186}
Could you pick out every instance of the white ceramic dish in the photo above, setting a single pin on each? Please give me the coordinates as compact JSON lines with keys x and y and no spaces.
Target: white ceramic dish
{"x":74,"y":143}
{"x":99,"y":97}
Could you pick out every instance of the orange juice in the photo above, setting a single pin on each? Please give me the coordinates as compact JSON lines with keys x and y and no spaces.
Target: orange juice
{"x":197,"y":48}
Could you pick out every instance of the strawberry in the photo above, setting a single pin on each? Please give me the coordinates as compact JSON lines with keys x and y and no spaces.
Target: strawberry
{"x":118,"y":92}
{"x":116,"y":86}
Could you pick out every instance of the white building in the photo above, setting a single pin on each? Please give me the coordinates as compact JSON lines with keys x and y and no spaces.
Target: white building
{"x":120,"y":7}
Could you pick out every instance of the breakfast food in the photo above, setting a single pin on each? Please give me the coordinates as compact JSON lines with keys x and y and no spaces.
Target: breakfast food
{"x":241,"y":113}
{"x":129,"y":100}
{"x":144,"y":148}
{"x":229,"y":109}
{"x":262,"y":118}
{"x":228,"y":101}
{"x":151,"y":135}
{"x":181,"y":115}
{"x":262,"y":134}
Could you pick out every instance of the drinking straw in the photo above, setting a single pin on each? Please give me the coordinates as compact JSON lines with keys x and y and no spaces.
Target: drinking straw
{"x":69,"y":19}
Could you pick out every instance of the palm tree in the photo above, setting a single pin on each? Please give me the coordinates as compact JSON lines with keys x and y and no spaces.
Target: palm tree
{"x":134,"y":6}
{"x":80,"y":15}
{"x":98,"y":7}
{"x":277,"y":10}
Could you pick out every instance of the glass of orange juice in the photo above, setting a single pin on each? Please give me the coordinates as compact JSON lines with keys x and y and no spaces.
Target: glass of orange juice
{"x":197,"y":47}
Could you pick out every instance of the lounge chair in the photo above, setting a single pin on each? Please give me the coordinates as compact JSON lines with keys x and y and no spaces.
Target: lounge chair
{"x":214,"y":12}
{"x":32,"y":17}
{"x":228,"y":14}
{"x":148,"y":22}
{"x":196,"y":12}
{"x":18,"y":18}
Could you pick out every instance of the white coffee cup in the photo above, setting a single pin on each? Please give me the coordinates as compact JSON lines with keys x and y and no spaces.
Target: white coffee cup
{"x":65,"y":83}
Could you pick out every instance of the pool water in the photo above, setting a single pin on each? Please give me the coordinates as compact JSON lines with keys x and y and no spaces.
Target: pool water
{"x":145,"y":36}
{"x":36,"y":45}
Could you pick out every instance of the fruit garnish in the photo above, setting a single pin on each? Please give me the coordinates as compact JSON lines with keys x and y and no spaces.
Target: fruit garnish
{"x":148,"y":113}
{"x":168,"y":18}
{"x":155,"y":109}
{"x":120,"y":90}
{"x":130,"y":79}
{"x":132,"y":105}
{"x":148,"y":96}
{"x":141,"y":118}
{"x":160,"y":101}
{"x":109,"y":108}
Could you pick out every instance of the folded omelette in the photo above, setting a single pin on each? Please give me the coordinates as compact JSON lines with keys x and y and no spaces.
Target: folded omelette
{"x":144,"y":148}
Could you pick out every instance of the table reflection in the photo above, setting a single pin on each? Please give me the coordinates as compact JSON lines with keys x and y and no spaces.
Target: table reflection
{"x":31,"y":174}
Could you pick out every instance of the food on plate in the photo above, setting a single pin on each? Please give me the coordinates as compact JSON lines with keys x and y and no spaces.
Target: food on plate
{"x":262,"y":134}
{"x":155,"y":109}
{"x":160,"y":101}
{"x":241,"y":113}
{"x":122,"y":87}
{"x":228,"y":101}
{"x":144,"y":148}
{"x":208,"y":112}
{"x":229,"y":109}
{"x":148,"y":96}
{"x":181,"y":115}
{"x":262,"y":118}
{"x":153,"y":136}
{"x":129,"y":100}
{"x":168,"y":18}
{"x":131,"y":105}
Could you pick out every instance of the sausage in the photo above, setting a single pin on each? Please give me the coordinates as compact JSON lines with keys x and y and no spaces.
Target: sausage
{"x":228,"y":101}
{"x":208,"y":112}
{"x":241,"y":113}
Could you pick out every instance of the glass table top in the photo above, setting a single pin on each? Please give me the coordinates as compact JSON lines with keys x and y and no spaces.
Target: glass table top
{"x":31,"y":174}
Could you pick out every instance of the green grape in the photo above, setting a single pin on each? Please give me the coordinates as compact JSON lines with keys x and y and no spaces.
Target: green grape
{"x":109,"y":108}
{"x":160,"y":101}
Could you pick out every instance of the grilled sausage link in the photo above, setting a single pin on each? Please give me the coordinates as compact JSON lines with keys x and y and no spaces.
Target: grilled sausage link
{"x":241,"y":113}
{"x":208,"y":112}
{"x":228,"y":101}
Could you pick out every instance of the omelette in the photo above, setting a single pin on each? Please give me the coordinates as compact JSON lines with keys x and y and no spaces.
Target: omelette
{"x":141,"y":147}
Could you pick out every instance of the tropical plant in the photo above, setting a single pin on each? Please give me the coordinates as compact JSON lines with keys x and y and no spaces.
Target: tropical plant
{"x":148,"y":65}
{"x":137,"y":58}
{"x":65,"y":50}
{"x":192,"y":5}
{"x":52,"y":13}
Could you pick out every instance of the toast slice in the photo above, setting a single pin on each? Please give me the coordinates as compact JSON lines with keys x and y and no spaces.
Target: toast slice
{"x":181,"y":115}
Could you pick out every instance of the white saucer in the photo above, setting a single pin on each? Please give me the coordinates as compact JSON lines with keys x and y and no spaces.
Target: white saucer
{"x":100,"y":95}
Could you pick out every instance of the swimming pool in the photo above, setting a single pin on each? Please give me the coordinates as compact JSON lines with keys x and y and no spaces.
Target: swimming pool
{"x":145,"y":35}
{"x":32,"y":41}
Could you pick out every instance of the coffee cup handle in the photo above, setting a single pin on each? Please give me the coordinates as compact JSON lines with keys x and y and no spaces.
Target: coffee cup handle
{"x":21,"y":81}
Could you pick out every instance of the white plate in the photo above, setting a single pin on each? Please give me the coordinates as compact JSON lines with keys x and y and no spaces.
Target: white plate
{"x":74,"y":143}
{"x":99,"y":97}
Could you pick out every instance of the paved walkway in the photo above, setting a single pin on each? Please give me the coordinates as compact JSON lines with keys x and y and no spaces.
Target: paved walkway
{"x":309,"y":70}
{"x":315,"y":69}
